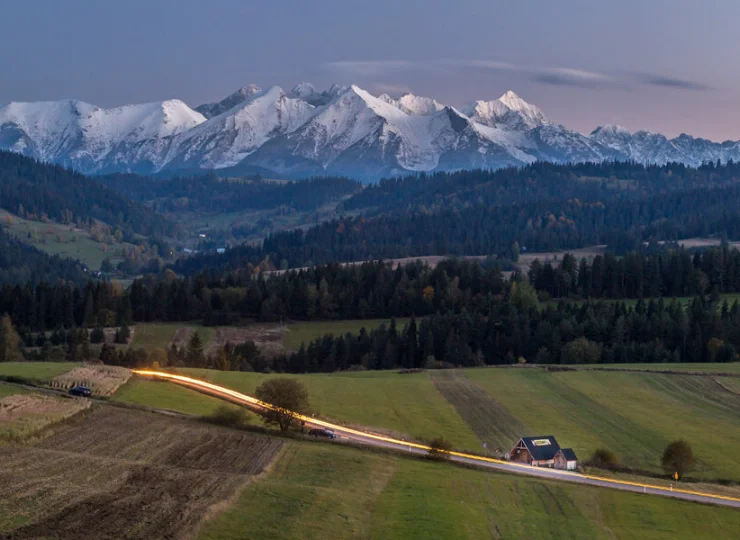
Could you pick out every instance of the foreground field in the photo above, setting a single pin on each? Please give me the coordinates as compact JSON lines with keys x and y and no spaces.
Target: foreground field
{"x":325,"y":491}
{"x":125,"y":474}
{"x":633,"y":414}
{"x":405,"y":405}
{"x":23,"y":412}
{"x":161,"y":395}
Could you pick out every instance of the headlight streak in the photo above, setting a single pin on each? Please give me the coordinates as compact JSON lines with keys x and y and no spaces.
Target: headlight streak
{"x":526,"y":469}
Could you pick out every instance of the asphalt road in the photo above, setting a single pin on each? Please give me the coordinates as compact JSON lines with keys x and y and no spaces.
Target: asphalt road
{"x":377,"y":440}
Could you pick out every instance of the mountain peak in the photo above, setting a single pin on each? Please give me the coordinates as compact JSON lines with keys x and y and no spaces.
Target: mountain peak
{"x":611,"y":129}
{"x":303,"y":91}
{"x":209,"y":110}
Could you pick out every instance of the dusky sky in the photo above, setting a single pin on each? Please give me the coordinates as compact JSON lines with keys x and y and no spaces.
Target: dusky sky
{"x":663,"y":65}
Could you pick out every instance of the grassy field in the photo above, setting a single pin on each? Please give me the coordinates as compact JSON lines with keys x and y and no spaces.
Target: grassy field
{"x":290,"y":336}
{"x":634,"y":414}
{"x":305,"y":332}
{"x":58,"y":239}
{"x":163,"y":395}
{"x":407,"y":405}
{"x":159,"y":335}
{"x":41,"y":372}
{"x":326,"y":491}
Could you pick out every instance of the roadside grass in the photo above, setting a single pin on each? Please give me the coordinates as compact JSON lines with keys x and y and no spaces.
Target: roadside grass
{"x":164,"y":395}
{"x":405,"y":405}
{"x":328,"y":491}
{"x":39,"y":372}
{"x":10,"y":390}
{"x":305,"y":332}
{"x":633,"y":414}
{"x":62,"y":240}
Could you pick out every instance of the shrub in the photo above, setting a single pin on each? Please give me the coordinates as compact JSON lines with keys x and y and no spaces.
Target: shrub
{"x":235,"y":417}
{"x":604,"y":459}
{"x":439,"y":449}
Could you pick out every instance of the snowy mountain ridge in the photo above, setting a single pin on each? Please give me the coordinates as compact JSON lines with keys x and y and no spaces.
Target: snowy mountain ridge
{"x":342,"y":130}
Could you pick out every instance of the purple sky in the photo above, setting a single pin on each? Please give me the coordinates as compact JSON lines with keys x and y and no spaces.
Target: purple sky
{"x":664,"y":65}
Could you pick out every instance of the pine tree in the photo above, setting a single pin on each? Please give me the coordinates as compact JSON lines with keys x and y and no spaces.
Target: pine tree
{"x":9,"y":341}
{"x":194,"y":356}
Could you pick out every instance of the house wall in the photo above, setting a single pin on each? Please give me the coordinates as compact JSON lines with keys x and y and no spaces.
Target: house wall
{"x":520,"y":455}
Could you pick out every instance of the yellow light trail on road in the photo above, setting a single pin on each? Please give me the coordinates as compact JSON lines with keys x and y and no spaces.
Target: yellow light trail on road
{"x":527,"y":469}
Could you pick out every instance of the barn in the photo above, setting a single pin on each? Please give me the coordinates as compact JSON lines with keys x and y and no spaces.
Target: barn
{"x":543,"y":451}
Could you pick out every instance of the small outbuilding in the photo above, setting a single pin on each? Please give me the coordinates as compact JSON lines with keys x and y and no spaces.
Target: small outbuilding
{"x":566,"y":459}
{"x":543,"y":451}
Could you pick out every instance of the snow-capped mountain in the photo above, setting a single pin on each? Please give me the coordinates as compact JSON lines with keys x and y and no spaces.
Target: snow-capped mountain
{"x":341,"y":130}
{"x":93,"y":139}
{"x":231,"y":136}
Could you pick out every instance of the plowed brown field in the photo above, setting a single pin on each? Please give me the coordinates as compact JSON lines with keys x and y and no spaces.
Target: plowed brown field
{"x":125,"y":474}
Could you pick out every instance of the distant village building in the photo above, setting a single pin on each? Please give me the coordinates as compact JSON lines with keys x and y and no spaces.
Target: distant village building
{"x":543,"y":451}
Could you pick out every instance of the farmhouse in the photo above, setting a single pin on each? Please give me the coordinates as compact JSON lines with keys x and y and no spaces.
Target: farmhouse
{"x":543,"y":451}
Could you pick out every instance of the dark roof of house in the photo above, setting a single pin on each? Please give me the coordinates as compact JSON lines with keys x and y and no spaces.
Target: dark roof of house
{"x":541,"y":448}
{"x":569,"y":454}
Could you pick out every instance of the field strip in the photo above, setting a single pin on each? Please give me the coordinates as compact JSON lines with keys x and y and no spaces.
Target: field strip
{"x":492,"y":423}
{"x":372,"y":438}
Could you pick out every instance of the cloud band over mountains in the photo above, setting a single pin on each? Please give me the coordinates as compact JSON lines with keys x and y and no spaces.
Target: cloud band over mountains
{"x":557,"y":76}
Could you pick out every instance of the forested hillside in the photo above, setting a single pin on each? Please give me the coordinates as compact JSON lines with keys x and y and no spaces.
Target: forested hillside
{"x":36,"y":190}
{"x":214,"y":194}
{"x":22,"y":264}
{"x":489,"y":228}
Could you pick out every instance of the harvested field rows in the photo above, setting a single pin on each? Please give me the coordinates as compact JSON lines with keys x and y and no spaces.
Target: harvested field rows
{"x":102,"y":380}
{"x":25,"y":413}
{"x":126,"y":474}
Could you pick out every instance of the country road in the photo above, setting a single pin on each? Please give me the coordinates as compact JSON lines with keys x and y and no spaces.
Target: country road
{"x":377,"y":440}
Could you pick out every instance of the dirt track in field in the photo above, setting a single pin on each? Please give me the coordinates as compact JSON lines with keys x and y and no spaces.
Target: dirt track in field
{"x":490,"y":420}
{"x":125,"y":474}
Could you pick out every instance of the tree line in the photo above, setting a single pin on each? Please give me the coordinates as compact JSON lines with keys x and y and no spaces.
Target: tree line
{"x":566,"y":333}
{"x":651,"y":273}
{"x":369,"y":290}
